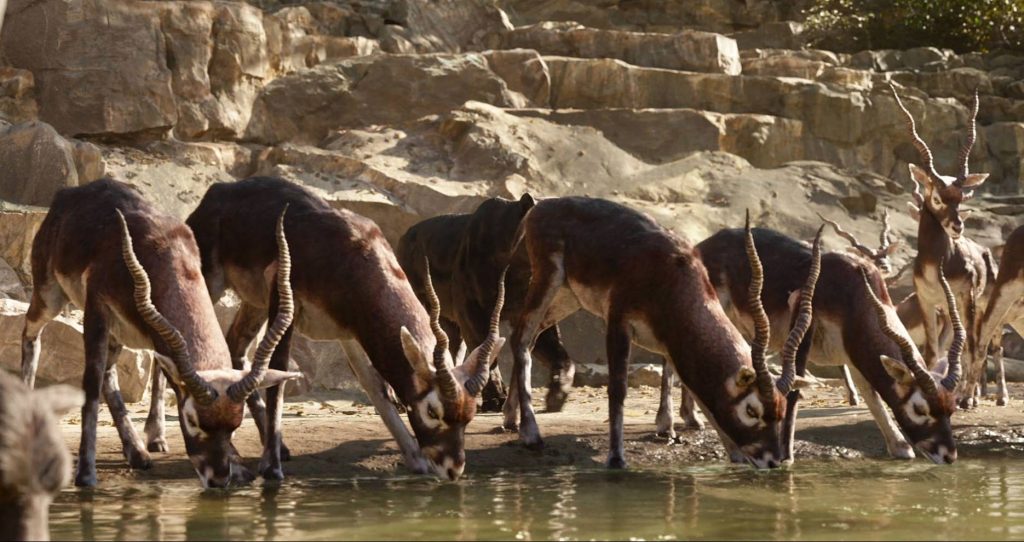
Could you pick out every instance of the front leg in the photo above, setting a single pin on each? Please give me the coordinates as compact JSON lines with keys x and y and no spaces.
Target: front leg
{"x":895,"y":442}
{"x":851,"y":389}
{"x":1003,"y":396}
{"x":928,"y":318}
{"x":664,"y":424}
{"x":95,"y":337}
{"x":270,"y":463}
{"x":131,"y":444}
{"x":789,"y":422}
{"x":155,"y":426}
{"x":551,"y":351}
{"x":618,"y":345}
{"x":376,"y":389}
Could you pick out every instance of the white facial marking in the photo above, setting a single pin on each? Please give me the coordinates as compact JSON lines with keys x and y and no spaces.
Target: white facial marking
{"x":431,"y":411}
{"x":917,"y":409}
{"x":750,"y":410}
{"x":190,"y":419}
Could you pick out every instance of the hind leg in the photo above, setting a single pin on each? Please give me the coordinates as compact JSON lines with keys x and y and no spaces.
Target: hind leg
{"x":852,"y":397}
{"x":47,"y":302}
{"x":663,"y":422}
{"x":1002,"y":395}
{"x":550,"y":350}
{"x":131,"y":444}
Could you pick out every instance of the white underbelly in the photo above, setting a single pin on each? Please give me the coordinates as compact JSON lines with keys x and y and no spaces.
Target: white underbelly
{"x":314,"y":322}
{"x":827,"y":348}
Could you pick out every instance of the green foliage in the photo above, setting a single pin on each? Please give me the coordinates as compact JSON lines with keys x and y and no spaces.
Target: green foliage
{"x":961,"y":25}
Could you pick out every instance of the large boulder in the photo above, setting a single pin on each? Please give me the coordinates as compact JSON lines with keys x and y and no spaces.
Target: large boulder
{"x":379,"y":89}
{"x":38,"y":162}
{"x":17,"y":96}
{"x":99,"y":65}
{"x":18,"y":227}
{"x":689,"y":50}
{"x":62,"y":357}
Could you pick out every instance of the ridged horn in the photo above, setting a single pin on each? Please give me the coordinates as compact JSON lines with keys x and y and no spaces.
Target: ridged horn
{"x":952,"y":377}
{"x":762,"y":327}
{"x":863,"y":249}
{"x":445,"y":378}
{"x":477,"y":381}
{"x":196,"y":386}
{"x":972,"y":134}
{"x":884,"y":241}
{"x":805,"y":313}
{"x":285,"y":312}
{"x":906,"y":349}
{"x":922,"y":148}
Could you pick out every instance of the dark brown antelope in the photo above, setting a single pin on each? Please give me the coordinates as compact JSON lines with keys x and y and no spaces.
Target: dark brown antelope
{"x":853,"y":326}
{"x":34,"y":462}
{"x":348,"y":287}
{"x":136,"y":273}
{"x":652,"y":290}
{"x":940,"y":243}
{"x":1005,"y":307}
{"x":467,"y":253}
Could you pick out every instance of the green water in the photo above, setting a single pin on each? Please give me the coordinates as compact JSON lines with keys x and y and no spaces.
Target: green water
{"x":827,"y":500}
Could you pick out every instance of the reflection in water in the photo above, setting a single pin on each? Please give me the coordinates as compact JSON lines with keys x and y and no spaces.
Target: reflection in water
{"x":973,"y":499}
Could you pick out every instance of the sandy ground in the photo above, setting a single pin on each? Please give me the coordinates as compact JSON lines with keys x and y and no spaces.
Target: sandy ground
{"x":332,"y":436}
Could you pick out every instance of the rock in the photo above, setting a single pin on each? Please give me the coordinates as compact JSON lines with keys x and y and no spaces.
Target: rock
{"x":99,"y":65}
{"x":18,"y":227}
{"x":11,"y":286}
{"x":447,"y":26}
{"x":17,"y":99}
{"x":63,"y":353}
{"x":689,"y":50}
{"x":1006,"y":144}
{"x":921,"y":56}
{"x":645,"y":374}
{"x":774,"y":35}
{"x":379,"y":89}
{"x":37,"y":163}
{"x":640,"y":374}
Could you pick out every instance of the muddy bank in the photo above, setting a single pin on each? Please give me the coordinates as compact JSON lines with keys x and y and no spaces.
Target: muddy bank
{"x":333,"y":436}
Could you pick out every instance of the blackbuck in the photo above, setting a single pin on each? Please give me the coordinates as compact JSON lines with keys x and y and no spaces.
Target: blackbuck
{"x":348,"y":287}
{"x":940,"y":243}
{"x":136,"y":273}
{"x":467,"y":253}
{"x":650,"y":289}
{"x":34,"y":462}
{"x":853,"y":326}
{"x":1005,"y":307}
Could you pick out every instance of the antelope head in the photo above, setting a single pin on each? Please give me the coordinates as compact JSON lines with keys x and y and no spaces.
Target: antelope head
{"x":757,"y":401}
{"x":211,"y":402}
{"x":943,"y":194}
{"x":449,"y":387}
{"x":886,"y":245}
{"x":926,"y":399}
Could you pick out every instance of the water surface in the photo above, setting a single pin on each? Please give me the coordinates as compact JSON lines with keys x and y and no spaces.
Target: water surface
{"x":825,"y":500}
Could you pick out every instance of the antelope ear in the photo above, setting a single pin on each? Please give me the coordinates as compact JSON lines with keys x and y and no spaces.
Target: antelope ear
{"x":460,"y":355}
{"x":413,"y":353}
{"x":941,"y":367}
{"x":275,"y":377}
{"x":473,"y":361}
{"x":59,"y":399}
{"x":921,"y":176}
{"x":527,"y":202}
{"x":167,"y":364}
{"x":974,"y":179}
{"x":794,"y":299}
{"x":746,"y":377}
{"x":897,"y":370}
{"x":914,"y":211}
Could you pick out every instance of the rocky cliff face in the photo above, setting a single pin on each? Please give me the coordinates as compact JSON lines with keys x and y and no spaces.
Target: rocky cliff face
{"x":405,"y":109}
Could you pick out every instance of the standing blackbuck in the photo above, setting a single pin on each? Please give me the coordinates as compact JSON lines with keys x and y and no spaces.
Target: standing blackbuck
{"x":940,"y":243}
{"x":136,"y":273}
{"x":853,"y":326}
{"x":651,"y":289}
{"x":467,"y":253}
{"x":1005,"y":307}
{"x":348,"y":287}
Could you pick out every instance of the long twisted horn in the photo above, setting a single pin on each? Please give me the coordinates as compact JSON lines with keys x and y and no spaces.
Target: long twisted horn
{"x":803,"y":320}
{"x":906,"y":349}
{"x":762,"y":328}
{"x":285,"y":311}
{"x":195,"y":384}
{"x":446,"y":380}
{"x":972,"y":134}
{"x":477,"y":381}
{"x":952,"y":377}
{"x":849,"y":237}
{"x":884,"y":242}
{"x":922,"y":148}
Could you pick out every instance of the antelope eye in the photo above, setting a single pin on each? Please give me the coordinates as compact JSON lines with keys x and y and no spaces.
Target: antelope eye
{"x":751,"y":411}
{"x":920,"y":410}
{"x":433,"y":414}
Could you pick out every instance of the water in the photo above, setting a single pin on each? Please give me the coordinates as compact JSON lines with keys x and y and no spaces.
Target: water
{"x":825,"y":500}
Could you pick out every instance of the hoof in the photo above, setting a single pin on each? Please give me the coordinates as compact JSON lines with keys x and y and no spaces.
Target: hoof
{"x":1001,"y":401}
{"x":902,"y":451}
{"x":418,"y":465}
{"x":272,"y":474}
{"x":138,"y":459}
{"x":241,"y":476}
{"x":534,"y":444}
{"x":694,"y":425}
{"x":965,"y":403}
{"x":286,"y":454}
{"x":85,"y":479}
{"x":853,"y":400}
{"x":157,"y":446}
{"x":555,"y":400}
{"x":493,"y":396}
{"x":615,"y":462}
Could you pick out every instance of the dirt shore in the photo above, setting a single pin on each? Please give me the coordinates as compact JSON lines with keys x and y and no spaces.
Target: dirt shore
{"x":331,"y":436}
